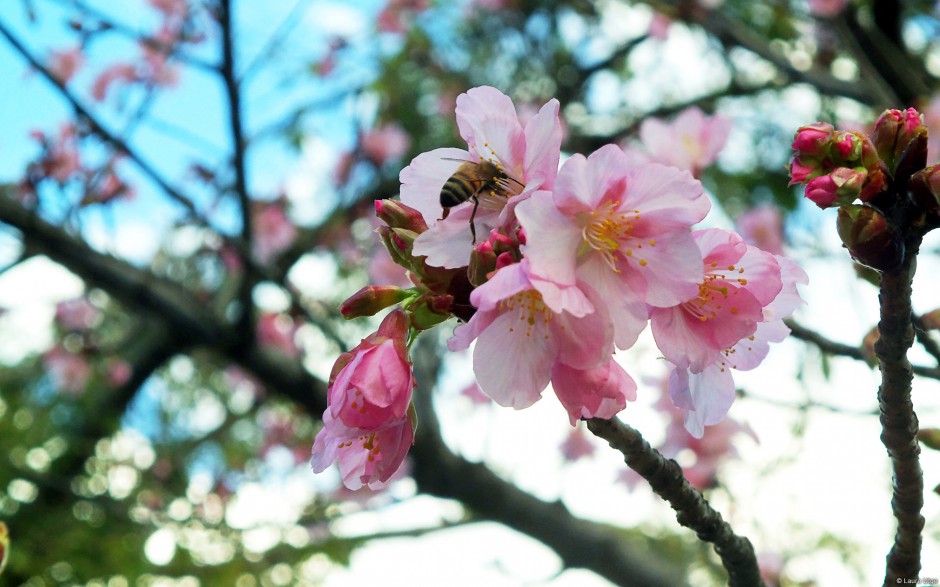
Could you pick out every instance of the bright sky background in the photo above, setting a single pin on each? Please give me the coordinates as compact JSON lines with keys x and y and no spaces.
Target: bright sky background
{"x":835,"y":479}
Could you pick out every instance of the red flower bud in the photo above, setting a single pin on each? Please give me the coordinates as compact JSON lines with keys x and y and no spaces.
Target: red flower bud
{"x":398,"y":215}
{"x":893,"y":136}
{"x":870,"y":238}
{"x":813,"y":139}
{"x":372,"y":299}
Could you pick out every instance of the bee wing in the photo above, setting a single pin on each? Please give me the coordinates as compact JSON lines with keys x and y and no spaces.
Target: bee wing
{"x":423,"y":178}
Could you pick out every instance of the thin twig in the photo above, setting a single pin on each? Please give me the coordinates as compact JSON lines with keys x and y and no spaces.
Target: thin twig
{"x":692,"y":510}
{"x":96,"y":127}
{"x":232,"y":92}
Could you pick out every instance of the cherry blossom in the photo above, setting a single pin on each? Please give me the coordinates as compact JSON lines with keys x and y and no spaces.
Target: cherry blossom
{"x":272,"y":231}
{"x":276,"y":331}
{"x":623,"y":230}
{"x":701,"y":383}
{"x":519,"y":339}
{"x":691,"y":141}
{"x":68,"y":371}
{"x":528,"y":157}
{"x":576,"y":445}
{"x":739,"y":282}
{"x":63,"y":64}
{"x":77,"y":314}
{"x":365,"y":457}
{"x":762,"y":226}
{"x":388,"y":142}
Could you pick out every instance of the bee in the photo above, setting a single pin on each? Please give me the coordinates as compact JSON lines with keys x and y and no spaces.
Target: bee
{"x":468,"y":182}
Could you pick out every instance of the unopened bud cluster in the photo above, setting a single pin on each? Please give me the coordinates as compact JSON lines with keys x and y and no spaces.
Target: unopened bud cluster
{"x":885,"y":172}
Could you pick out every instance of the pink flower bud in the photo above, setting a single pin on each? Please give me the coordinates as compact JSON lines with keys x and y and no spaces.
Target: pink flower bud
{"x":813,"y":139}
{"x":801,"y":172}
{"x":897,"y":132}
{"x":848,"y":145}
{"x":372,"y":384}
{"x":372,"y":299}
{"x":398,"y":215}
{"x":822,"y":191}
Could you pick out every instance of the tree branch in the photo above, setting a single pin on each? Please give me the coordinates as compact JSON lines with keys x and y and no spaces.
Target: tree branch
{"x":898,"y":420}
{"x":438,"y":471}
{"x":230,"y":81}
{"x":96,"y":127}
{"x":692,"y":510}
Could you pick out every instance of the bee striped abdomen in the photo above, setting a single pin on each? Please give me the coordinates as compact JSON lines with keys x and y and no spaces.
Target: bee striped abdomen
{"x":456,"y":191}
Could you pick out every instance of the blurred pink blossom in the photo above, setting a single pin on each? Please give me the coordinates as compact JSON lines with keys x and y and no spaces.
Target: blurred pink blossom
{"x":63,"y":64}
{"x":68,"y":371}
{"x":827,"y":8}
{"x":763,"y":227}
{"x":389,"y":142}
{"x":577,"y":445}
{"x":274,"y":233}
{"x":77,"y":314}
{"x":119,"y":72}
{"x":690,"y":141}
{"x":171,"y":8}
{"x":397,"y":14}
{"x":476,"y":396}
{"x":277,"y":331}
{"x":932,"y":121}
{"x":659,"y":26}
{"x":118,"y":371}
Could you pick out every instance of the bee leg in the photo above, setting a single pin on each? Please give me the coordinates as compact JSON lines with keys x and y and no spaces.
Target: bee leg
{"x":473,"y":228}
{"x":444,"y":215}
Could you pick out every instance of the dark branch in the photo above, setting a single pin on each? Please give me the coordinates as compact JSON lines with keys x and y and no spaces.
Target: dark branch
{"x":107,"y":136}
{"x":692,"y":510}
{"x":898,"y":420}
{"x":230,"y":80}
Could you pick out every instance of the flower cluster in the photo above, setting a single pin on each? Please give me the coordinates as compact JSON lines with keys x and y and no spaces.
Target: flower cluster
{"x":887,"y":172}
{"x":550,"y":271}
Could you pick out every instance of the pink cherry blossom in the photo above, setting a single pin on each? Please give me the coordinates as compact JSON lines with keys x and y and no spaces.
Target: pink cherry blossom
{"x":171,"y":8}
{"x":118,"y":371}
{"x":623,"y":230}
{"x":691,"y":141}
{"x":706,"y":394}
{"x":388,"y":142}
{"x":276,"y":331}
{"x":273,"y":232}
{"x":528,"y":156}
{"x":365,"y":457}
{"x":68,"y":371}
{"x":827,"y":8}
{"x":519,"y":339}
{"x":716,"y":444}
{"x":372,"y":383}
{"x":63,"y":64}
{"x":763,"y":227}
{"x":119,"y":72}
{"x":77,"y":315}
{"x":659,"y":26}
{"x":577,"y":445}
{"x":739,"y":282}
{"x":600,"y":392}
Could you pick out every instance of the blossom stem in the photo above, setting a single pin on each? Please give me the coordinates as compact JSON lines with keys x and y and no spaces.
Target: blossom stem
{"x":898,"y":420}
{"x":692,"y":510}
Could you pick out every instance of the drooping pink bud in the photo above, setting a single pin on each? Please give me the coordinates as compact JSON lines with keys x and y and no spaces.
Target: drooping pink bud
{"x":841,"y":186}
{"x":372,"y":299}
